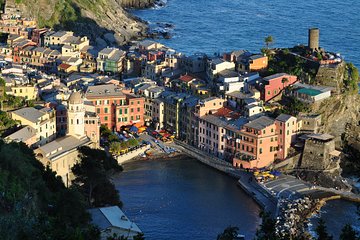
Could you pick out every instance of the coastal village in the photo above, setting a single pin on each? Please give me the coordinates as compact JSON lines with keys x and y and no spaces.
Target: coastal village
{"x":145,"y":100}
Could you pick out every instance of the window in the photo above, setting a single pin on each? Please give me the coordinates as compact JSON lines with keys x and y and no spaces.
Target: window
{"x":119,"y":119}
{"x":106,"y":118}
{"x":132,"y":103}
{"x":98,"y":110}
{"x":138,"y":102}
{"x":260,"y":150}
{"x":125,"y":119}
{"x":131,"y":110}
{"x":268,"y":93}
{"x":263,"y":131}
{"x":132,"y":118}
{"x":280,"y":131}
{"x":105,"y":110}
{"x":260,"y":141}
{"x":137,"y":117}
{"x":271,"y":149}
{"x":126,"y":111}
{"x":120,"y":111}
{"x":272,"y":130}
{"x":138,"y":109}
{"x":287,"y":132}
{"x":271,"y":139}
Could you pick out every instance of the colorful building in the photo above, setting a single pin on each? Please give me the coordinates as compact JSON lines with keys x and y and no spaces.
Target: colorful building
{"x":115,"y":107}
{"x":273,"y":85}
{"x":264,"y":140}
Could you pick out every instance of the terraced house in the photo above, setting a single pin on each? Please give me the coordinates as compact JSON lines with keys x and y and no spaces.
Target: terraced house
{"x":41,"y":122}
{"x":110,"y":60}
{"x":115,"y":107}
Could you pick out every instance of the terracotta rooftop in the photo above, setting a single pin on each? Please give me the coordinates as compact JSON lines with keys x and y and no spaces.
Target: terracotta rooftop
{"x":186,"y":78}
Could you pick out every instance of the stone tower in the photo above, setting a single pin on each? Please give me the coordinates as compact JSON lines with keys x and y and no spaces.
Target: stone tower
{"x":76,"y":115}
{"x":314,"y":36}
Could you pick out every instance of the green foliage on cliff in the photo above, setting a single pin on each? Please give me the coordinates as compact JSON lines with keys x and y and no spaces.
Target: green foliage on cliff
{"x":284,"y":61}
{"x":351,"y":79}
{"x":92,"y":177}
{"x":64,"y":14}
{"x":34,"y":203}
{"x":6,"y":122}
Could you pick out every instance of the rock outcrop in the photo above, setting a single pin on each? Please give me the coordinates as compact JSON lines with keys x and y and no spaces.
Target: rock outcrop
{"x":341,"y":118}
{"x":88,"y":17}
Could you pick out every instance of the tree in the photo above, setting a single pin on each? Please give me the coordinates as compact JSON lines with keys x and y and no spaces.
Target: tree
{"x":132,"y":142}
{"x":115,"y":147}
{"x":268,"y":40}
{"x":229,"y":233}
{"x":284,"y":80}
{"x":34,"y":203}
{"x":267,"y":230}
{"x":348,"y":233}
{"x":321,"y":231}
{"x":91,"y":177}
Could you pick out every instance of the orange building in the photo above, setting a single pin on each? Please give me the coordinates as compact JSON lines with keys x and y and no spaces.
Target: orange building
{"x":115,"y":107}
{"x":253,"y":63}
{"x":264,"y":140}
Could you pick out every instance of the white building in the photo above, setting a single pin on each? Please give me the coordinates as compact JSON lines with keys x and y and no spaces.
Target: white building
{"x":215,"y":66}
{"x":111,"y":221}
{"x":76,"y":115}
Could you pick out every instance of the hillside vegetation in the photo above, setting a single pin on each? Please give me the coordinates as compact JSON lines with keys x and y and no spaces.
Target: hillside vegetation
{"x":34,"y":204}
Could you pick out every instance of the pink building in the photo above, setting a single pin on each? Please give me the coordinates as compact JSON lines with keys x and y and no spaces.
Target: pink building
{"x":264,"y":140}
{"x":273,"y":85}
{"x":92,"y":127}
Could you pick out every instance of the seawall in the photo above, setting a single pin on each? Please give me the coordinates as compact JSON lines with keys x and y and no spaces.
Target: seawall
{"x":130,"y":155}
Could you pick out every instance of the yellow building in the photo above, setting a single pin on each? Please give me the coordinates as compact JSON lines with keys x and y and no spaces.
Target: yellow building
{"x":43,"y":121}
{"x":56,"y":39}
{"x":28,"y":92}
{"x":153,"y":69}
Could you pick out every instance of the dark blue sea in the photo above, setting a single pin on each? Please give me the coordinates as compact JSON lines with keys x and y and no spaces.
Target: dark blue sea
{"x":213,"y":26}
{"x":180,"y":199}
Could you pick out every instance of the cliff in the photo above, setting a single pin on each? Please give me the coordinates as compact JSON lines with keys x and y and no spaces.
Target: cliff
{"x":341,"y":118}
{"x":103,"y":20}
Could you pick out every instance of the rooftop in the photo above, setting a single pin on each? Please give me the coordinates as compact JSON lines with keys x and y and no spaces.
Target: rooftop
{"x":58,"y":147}
{"x":283,"y":117}
{"x":274,"y":76}
{"x":104,"y":91}
{"x":106,"y":217}
{"x":260,"y":123}
{"x":322,"y":137}
{"x":228,"y":73}
{"x":29,"y":113}
{"x":23,"y":134}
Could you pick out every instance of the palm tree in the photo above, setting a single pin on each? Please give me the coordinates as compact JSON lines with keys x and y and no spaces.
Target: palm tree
{"x":268,"y":40}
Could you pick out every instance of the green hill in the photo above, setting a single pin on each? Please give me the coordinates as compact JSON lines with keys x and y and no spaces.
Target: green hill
{"x":34,"y":204}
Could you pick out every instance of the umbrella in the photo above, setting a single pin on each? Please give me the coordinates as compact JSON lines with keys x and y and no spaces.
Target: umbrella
{"x":134,"y":129}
